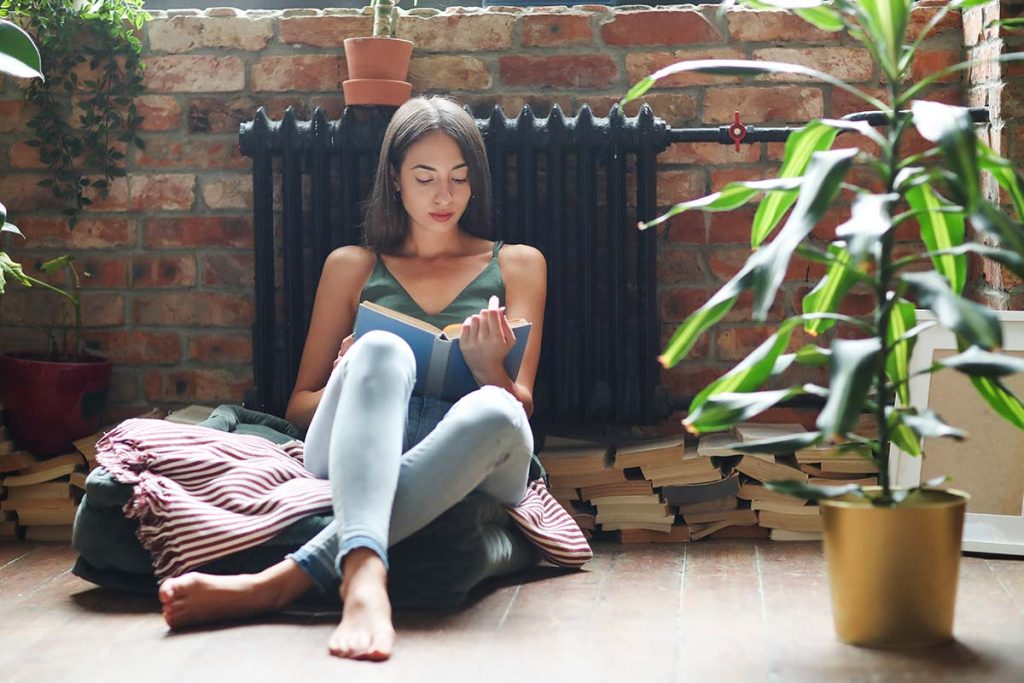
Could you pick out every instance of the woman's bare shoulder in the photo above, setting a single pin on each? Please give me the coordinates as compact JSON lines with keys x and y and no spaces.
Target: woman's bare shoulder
{"x":522,"y":260}
{"x":351,"y":256}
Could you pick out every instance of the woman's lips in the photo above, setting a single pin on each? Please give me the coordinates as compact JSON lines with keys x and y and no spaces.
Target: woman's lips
{"x":441,"y":217}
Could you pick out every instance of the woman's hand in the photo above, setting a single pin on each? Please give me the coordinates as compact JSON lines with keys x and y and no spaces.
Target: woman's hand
{"x":485,"y":341}
{"x":346,"y":344}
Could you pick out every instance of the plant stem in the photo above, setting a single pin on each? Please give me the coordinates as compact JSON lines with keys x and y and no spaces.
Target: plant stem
{"x":886,"y":298}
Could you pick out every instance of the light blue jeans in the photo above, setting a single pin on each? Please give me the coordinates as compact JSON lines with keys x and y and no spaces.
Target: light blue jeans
{"x":385,"y":487}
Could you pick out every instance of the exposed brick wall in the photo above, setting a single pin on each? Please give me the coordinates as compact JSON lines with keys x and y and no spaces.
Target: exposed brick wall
{"x":171,"y":301}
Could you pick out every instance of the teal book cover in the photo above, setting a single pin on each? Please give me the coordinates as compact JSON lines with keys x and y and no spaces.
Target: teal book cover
{"x":441,"y":369}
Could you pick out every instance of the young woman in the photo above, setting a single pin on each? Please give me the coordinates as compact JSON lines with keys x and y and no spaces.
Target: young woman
{"x":427,"y":255}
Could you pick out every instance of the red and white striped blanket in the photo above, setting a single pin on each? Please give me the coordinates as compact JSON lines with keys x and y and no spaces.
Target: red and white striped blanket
{"x":201,"y":494}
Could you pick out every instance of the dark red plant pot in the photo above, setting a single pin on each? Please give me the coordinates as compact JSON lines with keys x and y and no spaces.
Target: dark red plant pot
{"x":49,"y":404}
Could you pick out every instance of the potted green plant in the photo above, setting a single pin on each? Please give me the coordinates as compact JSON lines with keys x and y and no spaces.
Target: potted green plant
{"x":892,"y":553}
{"x":50,"y":399}
{"x":378,"y":65}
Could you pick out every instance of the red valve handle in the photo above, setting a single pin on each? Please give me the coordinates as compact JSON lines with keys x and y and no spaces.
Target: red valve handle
{"x":737,"y":131}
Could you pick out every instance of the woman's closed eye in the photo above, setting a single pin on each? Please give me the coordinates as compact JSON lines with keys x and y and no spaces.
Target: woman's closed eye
{"x":424,"y":181}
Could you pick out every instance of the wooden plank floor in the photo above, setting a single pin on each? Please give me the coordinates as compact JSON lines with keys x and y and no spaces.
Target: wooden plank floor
{"x":711,"y":611}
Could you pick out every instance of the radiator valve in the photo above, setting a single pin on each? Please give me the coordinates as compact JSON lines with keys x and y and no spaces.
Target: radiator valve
{"x":737,"y":131}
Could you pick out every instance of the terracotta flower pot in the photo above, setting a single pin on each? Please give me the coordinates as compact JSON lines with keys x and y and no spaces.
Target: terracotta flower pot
{"x":49,"y":404}
{"x":377,"y":69}
{"x":383,"y":58}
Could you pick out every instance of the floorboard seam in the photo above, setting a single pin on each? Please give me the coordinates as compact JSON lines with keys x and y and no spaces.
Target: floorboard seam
{"x":19,"y":557}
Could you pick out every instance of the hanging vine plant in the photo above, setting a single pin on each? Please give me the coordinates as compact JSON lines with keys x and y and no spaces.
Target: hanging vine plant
{"x":85,"y":114}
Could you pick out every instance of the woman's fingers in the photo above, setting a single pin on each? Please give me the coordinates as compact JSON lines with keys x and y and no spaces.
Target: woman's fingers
{"x":507,"y":335}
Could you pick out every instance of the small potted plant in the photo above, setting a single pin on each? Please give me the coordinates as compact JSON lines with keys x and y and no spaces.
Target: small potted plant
{"x":378,"y":65}
{"x":892,"y":553}
{"x":50,"y":399}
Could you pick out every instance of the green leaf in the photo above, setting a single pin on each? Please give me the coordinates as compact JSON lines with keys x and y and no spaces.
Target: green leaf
{"x":687,"y":334}
{"x":905,"y":438}
{"x":973,"y":322}
{"x":870,"y":219}
{"x":967,"y":4}
{"x":752,"y":372}
{"x":897,"y":362}
{"x":991,"y":220}
{"x":952,"y":129}
{"x":10,"y":269}
{"x":851,"y":371}
{"x":822,"y":181}
{"x":743,"y":67}
{"x":10,"y":227}
{"x":3,"y":213}
{"x":19,"y":56}
{"x":980,"y":363}
{"x":811,"y":492}
{"x":779,"y":444}
{"x":886,"y":23}
{"x":1001,"y":399}
{"x":813,"y":355}
{"x":1012,"y":261}
{"x":929,"y":425}
{"x":823,"y":18}
{"x":722,"y":411}
{"x":54,"y":265}
{"x":732,"y":196}
{"x":1004,"y":173}
{"x":829,"y":292}
{"x":940,"y":230}
{"x":814,"y":137}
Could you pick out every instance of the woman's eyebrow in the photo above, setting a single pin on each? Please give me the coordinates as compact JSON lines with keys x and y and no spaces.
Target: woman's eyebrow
{"x":431,"y":168}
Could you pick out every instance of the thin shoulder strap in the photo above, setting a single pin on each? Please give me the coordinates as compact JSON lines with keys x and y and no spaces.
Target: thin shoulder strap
{"x":497,"y":246}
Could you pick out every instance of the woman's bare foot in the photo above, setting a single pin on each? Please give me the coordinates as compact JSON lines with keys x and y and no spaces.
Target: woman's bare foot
{"x":365,"y":631}
{"x":196,"y":598}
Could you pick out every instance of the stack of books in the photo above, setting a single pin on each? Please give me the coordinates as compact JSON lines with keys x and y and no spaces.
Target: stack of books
{"x":572,"y":464}
{"x":43,"y":494}
{"x":39,"y":496}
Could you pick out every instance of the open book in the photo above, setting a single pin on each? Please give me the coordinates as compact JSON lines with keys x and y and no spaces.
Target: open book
{"x":440,"y":368}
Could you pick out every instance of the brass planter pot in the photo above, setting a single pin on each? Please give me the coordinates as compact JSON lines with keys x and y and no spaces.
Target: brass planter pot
{"x":893,"y":571}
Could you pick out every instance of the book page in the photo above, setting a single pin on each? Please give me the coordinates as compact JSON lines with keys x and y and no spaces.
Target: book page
{"x":988,"y":465}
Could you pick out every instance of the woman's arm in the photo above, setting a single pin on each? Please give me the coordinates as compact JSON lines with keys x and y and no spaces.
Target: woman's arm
{"x":524,"y":271}
{"x":337,"y":298}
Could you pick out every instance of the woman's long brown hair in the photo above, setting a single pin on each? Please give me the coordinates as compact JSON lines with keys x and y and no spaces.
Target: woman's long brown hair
{"x":386,"y":225}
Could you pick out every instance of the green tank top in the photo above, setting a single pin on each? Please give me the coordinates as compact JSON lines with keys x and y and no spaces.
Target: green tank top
{"x":382,"y":288}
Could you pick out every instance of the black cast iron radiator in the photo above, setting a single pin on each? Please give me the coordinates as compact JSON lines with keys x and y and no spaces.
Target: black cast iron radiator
{"x":574,"y":187}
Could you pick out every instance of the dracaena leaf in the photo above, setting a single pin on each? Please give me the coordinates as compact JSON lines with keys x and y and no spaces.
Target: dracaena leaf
{"x":687,"y":334}
{"x":822,"y":181}
{"x":829,"y":292}
{"x":991,"y":220}
{"x":19,"y":56}
{"x":722,"y":411}
{"x":929,"y":425}
{"x":814,"y":137}
{"x":811,"y":492}
{"x":940,"y":230}
{"x":732,"y":196}
{"x":1002,"y":400}
{"x":779,"y":444}
{"x":851,"y":371}
{"x":980,"y":363}
{"x":743,"y":67}
{"x":1005,"y":173}
{"x":971,"y":321}
{"x":870,"y":219}
{"x":952,"y":129}
{"x":886,"y":23}
{"x":897,"y":363}
{"x":752,"y":372}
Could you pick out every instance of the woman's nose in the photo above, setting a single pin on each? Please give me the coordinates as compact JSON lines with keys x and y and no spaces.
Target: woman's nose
{"x":444,"y":193}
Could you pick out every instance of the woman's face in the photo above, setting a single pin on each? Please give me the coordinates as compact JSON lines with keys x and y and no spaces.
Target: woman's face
{"x":434,"y":183}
